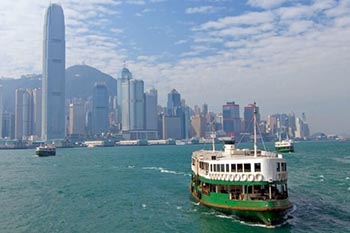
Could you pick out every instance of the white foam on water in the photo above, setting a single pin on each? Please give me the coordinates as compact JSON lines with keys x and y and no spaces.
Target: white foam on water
{"x":321,"y":180}
{"x":321,"y":176}
{"x":347,"y":178}
{"x":131,"y":166}
{"x":144,"y":206}
{"x":178,"y":207}
{"x":164,"y":170}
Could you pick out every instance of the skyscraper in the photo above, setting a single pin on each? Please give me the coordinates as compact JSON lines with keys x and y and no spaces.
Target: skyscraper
{"x":37,"y":98}
{"x":123,"y":99}
{"x":249,"y":117}
{"x":24,"y":113}
{"x":100,"y":122}
{"x":151,"y":117}
{"x":76,"y":118}
{"x":137,"y":105}
{"x":53,"y":81}
{"x":231,"y":119}
{"x":174,"y":102}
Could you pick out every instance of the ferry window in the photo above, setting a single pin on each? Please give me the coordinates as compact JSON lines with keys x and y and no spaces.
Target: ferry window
{"x":284,"y":167}
{"x":227,"y":167}
{"x":233,"y":167}
{"x":218,"y":167}
{"x":278,"y":167}
{"x":239,"y":168}
{"x":211,"y":167}
{"x":257,"y":167}
{"x":247,"y":167}
{"x":222,"y":168}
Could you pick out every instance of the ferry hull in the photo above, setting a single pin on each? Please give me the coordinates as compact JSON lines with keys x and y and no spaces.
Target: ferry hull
{"x":269,"y":213}
{"x":45,"y":153}
{"x":285,"y":149}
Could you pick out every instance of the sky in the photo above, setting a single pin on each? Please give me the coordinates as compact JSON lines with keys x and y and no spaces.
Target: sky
{"x":288,"y":56}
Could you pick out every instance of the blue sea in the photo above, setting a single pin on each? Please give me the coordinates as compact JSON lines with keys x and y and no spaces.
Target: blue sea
{"x":145,"y":189}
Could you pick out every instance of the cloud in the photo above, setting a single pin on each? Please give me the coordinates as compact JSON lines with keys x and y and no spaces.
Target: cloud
{"x":266,"y":4}
{"x":201,"y":10}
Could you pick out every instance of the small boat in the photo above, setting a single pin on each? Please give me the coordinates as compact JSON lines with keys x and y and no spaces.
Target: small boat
{"x":250,"y":184}
{"x":286,"y":145}
{"x":45,"y":150}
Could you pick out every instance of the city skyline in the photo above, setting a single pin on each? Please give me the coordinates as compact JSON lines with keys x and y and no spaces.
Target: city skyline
{"x":284,"y":55}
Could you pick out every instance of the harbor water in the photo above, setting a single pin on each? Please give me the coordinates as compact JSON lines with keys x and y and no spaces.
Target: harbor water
{"x":145,"y":189}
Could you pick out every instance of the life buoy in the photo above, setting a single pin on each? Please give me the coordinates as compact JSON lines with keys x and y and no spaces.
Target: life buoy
{"x":259,"y":177}
{"x":231,"y":177}
{"x":243,"y":177}
{"x":237,"y":177}
{"x":250,"y":177}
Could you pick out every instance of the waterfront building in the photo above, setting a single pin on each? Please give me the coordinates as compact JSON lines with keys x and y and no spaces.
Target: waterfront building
{"x":76,"y":125}
{"x":231,"y":119}
{"x":249,"y":118}
{"x":53,"y":80}
{"x":174,"y":102}
{"x":37,"y":114}
{"x":171,"y":127}
{"x":123,"y":99}
{"x":137,"y":105}
{"x":198,"y":124}
{"x":8,"y":125}
{"x":151,"y":117}
{"x":24,"y":112}
{"x":100,"y":121}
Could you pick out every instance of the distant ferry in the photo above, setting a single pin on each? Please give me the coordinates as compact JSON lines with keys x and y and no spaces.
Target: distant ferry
{"x":251,"y":184}
{"x":45,"y":150}
{"x":286,"y":145}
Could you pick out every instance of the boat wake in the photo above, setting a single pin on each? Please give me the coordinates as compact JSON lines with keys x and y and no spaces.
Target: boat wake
{"x":163,"y":170}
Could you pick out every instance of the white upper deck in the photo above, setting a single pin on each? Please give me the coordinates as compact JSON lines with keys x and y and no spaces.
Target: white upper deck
{"x":239,"y":165}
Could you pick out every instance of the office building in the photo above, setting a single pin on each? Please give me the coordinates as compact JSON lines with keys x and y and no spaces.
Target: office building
{"x":53,"y":80}
{"x":137,"y":105}
{"x":249,"y":118}
{"x":151,"y":116}
{"x":76,"y":125}
{"x":231,"y":119}
{"x":100,"y":120}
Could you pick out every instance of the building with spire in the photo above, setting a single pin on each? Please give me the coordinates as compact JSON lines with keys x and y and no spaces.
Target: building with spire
{"x":53,"y":80}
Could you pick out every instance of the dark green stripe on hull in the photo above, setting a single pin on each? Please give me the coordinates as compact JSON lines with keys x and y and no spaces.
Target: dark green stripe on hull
{"x":268,"y":212}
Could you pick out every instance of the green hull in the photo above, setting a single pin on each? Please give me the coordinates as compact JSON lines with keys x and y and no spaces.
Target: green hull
{"x":268,"y":212}
{"x":285,"y":149}
{"x":45,"y":153}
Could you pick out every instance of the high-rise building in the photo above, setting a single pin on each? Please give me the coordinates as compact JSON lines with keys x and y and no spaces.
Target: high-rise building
{"x":37,"y":98}
{"x":231,"y":119}
{"x":151,"y":116}
{"x":198,"y":125}
{"x":123,"y":98}
{"x":1,"y":111}
{"x":100,"y":121}
{"x":53,"y":80}
{"x":174,"y":102}
{"x":249,"y":117}
{"x":205,"y":110}
{"x":8,"y":125}
{"x":24,"y":113}
{"x":131,"y":102}
{"x":137,"y":105}
{"x":76,"y":119}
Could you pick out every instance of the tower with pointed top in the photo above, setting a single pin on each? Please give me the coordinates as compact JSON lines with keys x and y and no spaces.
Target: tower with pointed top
{"x":53,"y":80}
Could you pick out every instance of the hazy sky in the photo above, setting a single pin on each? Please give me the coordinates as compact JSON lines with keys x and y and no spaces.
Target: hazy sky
{"x":288,"y":56}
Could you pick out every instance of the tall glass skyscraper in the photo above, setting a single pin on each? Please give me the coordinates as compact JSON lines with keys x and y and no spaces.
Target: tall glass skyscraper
{"x":100,"y":109}
{"x":53,"y":81}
